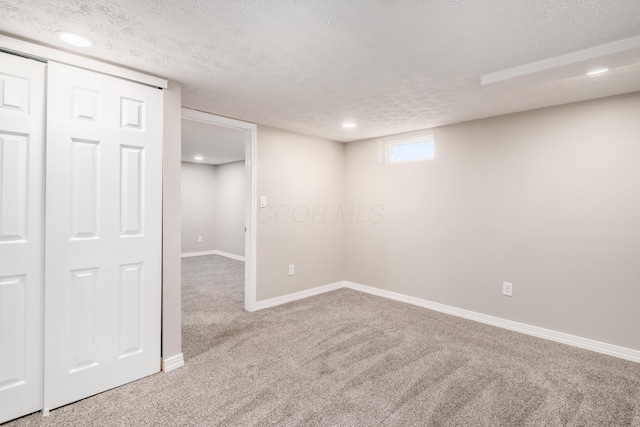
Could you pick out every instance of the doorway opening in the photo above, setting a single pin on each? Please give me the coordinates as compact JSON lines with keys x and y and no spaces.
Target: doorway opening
{"x":219,"y":192}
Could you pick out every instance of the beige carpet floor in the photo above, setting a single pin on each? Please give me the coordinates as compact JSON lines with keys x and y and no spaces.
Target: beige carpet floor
{"x":346,"y":358}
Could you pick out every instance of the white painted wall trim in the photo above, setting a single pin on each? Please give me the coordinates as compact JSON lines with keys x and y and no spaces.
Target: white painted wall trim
{"x":214,"y":252}
{"x":572,"y":340}
{"x":251,"y":218}
{"x":201,"y":253}
{"x":173,"y":362}
{"x":548,"y":334}
{"x":229,"y":255}
{"x":47,"y":53}
{"x":298,"y":295}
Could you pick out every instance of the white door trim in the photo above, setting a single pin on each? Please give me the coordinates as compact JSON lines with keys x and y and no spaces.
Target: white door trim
{"x":251,"y":209}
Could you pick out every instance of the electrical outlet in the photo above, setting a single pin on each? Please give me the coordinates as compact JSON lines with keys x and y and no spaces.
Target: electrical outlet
{"x":199,"y":239}
{"x":291,"y":269}
{"x":507,"y":289}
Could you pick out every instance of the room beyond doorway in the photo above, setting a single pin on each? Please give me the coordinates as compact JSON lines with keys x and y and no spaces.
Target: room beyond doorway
{"x":218,"y":203}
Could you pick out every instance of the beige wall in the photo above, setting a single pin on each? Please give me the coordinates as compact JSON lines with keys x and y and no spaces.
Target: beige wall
{"x":302,"y":177}
{"x":212,"y":201}
{"x":198,"y":206}
{"x":230,"y":193}
{"x":171,"y":265}
{"x":548,"y":200}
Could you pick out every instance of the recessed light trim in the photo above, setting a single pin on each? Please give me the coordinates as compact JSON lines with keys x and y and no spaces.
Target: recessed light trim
{"x":598,"y":71}
{"x":198,"y":158}
{"x":348,"y":125}
{"x":74,"y":39}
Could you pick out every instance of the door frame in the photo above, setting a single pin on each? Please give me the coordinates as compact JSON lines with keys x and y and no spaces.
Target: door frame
{"x":251,"y":208}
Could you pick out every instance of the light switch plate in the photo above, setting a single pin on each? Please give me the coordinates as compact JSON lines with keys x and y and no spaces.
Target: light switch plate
{"x":507,"y":289}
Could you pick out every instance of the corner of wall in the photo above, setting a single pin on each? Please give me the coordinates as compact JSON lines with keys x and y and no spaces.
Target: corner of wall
{"x":302,"y":178}
{"x":171,"y":260}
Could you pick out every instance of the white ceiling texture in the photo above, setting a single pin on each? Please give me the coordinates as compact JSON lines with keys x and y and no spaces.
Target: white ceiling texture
{"x":389,"y":66}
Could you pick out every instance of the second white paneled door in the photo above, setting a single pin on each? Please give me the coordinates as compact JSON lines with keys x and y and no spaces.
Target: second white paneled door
{"x":103,"y":233}
{"x":21,"y":234}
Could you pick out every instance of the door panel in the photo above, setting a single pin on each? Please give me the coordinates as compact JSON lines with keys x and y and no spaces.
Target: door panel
{"x":21,"y":234}
{"x":103,"y":239}
{"x":14,"y":189}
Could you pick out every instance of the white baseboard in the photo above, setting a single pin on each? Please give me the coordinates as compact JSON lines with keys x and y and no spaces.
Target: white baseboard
{"x":190,"y":254}
{"x":229,"y":255}
{"x":297,"y":295}
{"x":173,"y":362}
{"x":572,"y":340}
{"x":214,"y":252}
{"x":548,"y":334}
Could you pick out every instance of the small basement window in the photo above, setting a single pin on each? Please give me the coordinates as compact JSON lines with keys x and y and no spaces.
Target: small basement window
{"x":410,"y":150}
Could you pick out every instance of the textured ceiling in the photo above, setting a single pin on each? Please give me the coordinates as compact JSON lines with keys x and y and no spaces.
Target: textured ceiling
{"x":388,"y":65}
{"x":216,"y":144}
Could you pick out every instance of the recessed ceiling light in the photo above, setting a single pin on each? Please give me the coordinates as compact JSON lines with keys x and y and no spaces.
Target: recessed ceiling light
{"x":598,"y":71}
{"x":198,"y":158}
{"x":348,"y":125}
{"x":74,"y":39}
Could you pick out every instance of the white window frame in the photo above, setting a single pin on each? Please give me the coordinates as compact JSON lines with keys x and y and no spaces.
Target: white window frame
{"x":389,"y":144}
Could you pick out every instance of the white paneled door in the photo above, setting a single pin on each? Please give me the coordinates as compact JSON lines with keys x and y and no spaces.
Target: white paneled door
{"x":22,"y":108}
{"x":103,"y":233}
